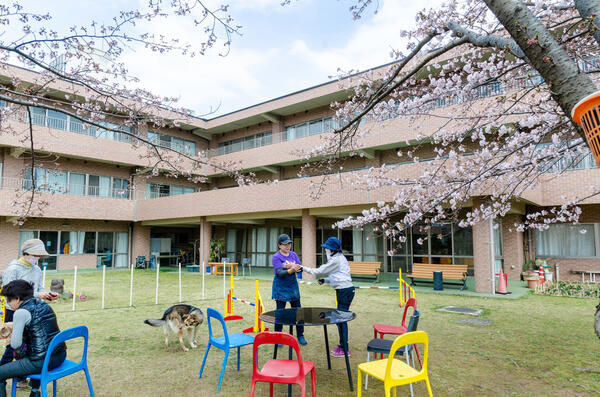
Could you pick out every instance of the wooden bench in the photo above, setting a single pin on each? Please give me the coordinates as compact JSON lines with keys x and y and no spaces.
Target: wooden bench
{"x":365,"y":269}
{"x":449,"y":272}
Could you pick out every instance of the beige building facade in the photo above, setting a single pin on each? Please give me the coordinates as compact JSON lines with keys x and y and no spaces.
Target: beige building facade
{"x":100,"y":206}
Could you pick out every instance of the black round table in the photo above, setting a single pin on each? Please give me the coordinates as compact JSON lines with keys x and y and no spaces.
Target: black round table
{"x":313,"y":316}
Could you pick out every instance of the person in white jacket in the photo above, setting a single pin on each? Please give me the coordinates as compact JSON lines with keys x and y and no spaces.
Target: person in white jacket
{"x":337,"y":271}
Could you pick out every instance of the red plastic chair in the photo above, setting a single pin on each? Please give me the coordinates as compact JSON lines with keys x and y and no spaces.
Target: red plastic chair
{"x":289,"y":372}
{"x":385,"y":329}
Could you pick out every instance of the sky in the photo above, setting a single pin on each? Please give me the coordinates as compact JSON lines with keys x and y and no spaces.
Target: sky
{"x":282,"y":49}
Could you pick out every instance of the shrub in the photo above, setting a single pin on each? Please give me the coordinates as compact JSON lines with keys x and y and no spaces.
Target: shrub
{"x":568,"y":288}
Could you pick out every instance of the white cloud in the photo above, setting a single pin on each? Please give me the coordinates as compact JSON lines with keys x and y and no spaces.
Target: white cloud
{"x":248,"y":76}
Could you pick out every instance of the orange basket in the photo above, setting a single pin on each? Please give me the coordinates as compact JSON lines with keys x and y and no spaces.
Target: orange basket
{"x":587,"y":114}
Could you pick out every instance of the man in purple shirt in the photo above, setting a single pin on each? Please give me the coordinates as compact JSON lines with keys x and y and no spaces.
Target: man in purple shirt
{"x":285,"y":284}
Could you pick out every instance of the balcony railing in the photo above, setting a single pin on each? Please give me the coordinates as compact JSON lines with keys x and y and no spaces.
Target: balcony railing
{"x":8,"y":183}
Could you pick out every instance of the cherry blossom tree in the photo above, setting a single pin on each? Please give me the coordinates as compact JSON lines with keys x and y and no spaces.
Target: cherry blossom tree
{"x":495,"y":80}
{"x":78,"y":73}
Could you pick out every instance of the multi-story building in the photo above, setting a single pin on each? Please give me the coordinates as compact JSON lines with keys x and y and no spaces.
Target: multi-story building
{"x":100,"y":208}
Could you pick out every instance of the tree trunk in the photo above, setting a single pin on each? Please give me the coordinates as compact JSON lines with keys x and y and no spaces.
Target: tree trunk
{"x":568,"y":84}
{"x":587,"y":9}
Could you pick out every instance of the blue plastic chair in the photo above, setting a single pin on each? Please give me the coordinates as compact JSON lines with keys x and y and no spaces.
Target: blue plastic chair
{"x":225,"y":342}
{"x":66,"y":368}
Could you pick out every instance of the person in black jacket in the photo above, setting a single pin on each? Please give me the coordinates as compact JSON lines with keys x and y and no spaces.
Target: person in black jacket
{"x":34,"y":324}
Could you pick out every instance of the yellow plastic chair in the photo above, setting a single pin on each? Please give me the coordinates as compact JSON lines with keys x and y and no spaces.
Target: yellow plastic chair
{"x":393,"y":372}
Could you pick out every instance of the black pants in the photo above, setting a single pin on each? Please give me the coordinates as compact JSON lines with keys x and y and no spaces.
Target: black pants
{"x":24,"y":367}
{"x":344,"y":299}
{"x":281,"y":305}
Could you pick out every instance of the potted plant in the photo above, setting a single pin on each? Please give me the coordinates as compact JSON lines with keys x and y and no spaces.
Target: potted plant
{"x":529,"y":269}
{"x":217,"y":247}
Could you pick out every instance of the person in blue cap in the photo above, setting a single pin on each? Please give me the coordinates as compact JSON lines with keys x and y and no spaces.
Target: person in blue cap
{"x":337,"y":271}
{"x":285,"y":285}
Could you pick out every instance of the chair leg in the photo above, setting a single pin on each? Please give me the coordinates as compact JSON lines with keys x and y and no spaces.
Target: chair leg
{"x":394,"y":391}
{"x":223,"y":369}
{"x":13,"y":388}
{"x":238,"y":361}
{"x":428,"y":387}
{"x":418,"y":356}
{"x":271,"y":389}
{"x":366,"y":374}
{"x":87,"y":378}
{"x":43,"y":389}
{"x":359,"y":384}
{"x":204,"y":361}
{"x":313,"y":383}
{"x":408,"y":363}
{"x":252,"y":388}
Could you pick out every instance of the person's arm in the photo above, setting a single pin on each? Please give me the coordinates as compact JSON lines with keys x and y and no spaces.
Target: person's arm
{"x":38,"y":290}
{"x":21,"y":318}
{"x":9,"y":275}
{"x":325,"y":269}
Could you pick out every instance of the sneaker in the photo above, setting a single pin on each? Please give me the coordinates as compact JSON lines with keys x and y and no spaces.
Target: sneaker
{"x":35,"y":393}
{"x":23,"y":385}
{"x":302,"y":340}
{"x":339,"y":352}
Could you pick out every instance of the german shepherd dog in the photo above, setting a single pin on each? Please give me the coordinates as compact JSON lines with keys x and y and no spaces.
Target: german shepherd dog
{"x":176,"y":319}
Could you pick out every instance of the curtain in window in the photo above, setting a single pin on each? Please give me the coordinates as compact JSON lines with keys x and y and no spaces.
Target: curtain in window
{"x":261,"y":246}
{"x":25,"y":235}
{"x":550,"y":241}
{"x":579,"y":240}
{"x":370,"y":244}
{"x":231,"y":242}
{"x":57,"y":181}
{"x":121,"y":247}
{"x":357,"y":247}
{"x":104,"y":186}
{"x":76,"y":184}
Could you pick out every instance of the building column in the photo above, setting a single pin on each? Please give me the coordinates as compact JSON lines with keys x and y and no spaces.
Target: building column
{"x":512,"y":246}
{"x":205,"y":237}
{"x":309,"y":242}
{"x":482,"y":254}
{"x":140,"y":245}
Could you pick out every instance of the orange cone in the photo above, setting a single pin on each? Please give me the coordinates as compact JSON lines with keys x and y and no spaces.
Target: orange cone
{"x":541,"y":275}
{"x":502,"y":283}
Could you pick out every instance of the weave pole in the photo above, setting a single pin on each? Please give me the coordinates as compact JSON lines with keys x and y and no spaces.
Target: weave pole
{"x":74,"y":287}
{"x":203,"y":273}
{"x":156,"y":294}
{"x":224,"y":288}
{"x":2,"y":308}
{"x":131,"y":287}
{"x":103,"y":283}
{"x":43,"y":278}
{"x":179,"y":282}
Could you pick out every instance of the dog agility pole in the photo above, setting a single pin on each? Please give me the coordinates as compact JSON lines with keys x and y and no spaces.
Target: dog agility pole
{"x":43,"y":277}
{"x":131,"y":287}
{"x":74,"y":287}
{"x":259,"y":326}
{"x":229,"y":315}
{"x":179,"y":282}
{"x":156,"y":294}
{"x":103,"y":283}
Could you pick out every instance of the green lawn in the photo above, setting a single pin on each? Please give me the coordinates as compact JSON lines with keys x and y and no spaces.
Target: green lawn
{"x":533,"y":347}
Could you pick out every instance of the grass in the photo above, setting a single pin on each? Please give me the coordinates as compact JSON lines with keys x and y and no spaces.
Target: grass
{"x":533,"y":347}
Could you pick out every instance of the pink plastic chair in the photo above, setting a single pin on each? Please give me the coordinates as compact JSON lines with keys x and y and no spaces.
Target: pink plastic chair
{"x":291,"y":372}
{"x":386,"y":329}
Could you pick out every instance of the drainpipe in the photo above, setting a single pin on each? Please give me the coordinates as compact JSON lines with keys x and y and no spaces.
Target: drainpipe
{"x":492,"y":256}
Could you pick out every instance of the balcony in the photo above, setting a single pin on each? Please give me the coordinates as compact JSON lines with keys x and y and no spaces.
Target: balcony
{"x":74,"y":202}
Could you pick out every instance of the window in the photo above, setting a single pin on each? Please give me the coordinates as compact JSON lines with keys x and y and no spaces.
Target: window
{"x":316,"y":127}
{"x":89,"y":242}
{"x":57,"y":120}
{"x":50,"y":239}
{"x":566,"y":240}
{"x":76,"y":184}
{"x":120,"y":188}
{"x":313,"y":127}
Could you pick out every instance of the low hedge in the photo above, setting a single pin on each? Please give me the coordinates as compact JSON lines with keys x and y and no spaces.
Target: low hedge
{"x":569,"y":288}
